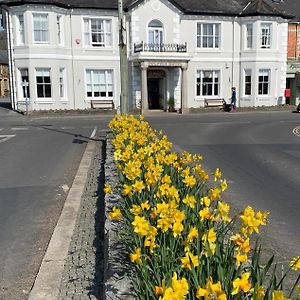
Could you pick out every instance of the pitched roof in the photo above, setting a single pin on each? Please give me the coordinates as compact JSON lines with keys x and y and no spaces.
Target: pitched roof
{"x":221,"y":7}
{"x":199,"y":7}
{"x":101,"y":4}
{"x":290,"y":6}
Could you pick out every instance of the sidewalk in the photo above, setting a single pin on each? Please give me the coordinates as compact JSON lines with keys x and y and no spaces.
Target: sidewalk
{"x":72,"y":267}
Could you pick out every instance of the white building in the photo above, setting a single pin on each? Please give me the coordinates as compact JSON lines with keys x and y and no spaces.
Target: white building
{"x":188,"y":51}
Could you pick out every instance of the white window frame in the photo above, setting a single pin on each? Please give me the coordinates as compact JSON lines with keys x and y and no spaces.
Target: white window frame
{"x":21,"y":88}
{"x":62,"y":83}
{"x":60,"y":29}
{"x":107,"y":97}
{"x":200,"y":75}
{"x":263,"y":72}
{"x":46,"y":41}
{"x":214,"y":36}
{"x":265,"y":38}
{"x":44,"y":83}
{"x":247,"y":72}
{"x":248,"y":36}
{"x":20,"y":29}
{"x":107,"y":35}
{"x":158,"y":33}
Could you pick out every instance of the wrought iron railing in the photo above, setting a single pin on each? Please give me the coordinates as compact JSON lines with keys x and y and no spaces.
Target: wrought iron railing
{"x":148,"y":47}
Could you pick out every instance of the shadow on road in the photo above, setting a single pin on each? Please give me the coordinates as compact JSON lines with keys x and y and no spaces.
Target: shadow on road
{"x":78,"y":138}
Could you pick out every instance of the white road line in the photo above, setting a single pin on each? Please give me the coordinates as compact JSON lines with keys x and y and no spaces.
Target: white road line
{"x":67,"y":127}
{"x":4,"y":138}
{"x":296,"y":131}
{"x":19,"y":128}
{"x":93,"y":133}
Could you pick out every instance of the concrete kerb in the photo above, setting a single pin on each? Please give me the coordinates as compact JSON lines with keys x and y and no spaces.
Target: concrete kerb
{"x":47,"y":283}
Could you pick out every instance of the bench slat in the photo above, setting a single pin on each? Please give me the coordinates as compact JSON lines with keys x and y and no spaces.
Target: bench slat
{"x":105,"y":104}
{"x":214,"y":102}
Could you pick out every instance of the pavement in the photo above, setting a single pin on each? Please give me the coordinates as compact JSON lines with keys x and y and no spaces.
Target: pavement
{"x":72,"y":263}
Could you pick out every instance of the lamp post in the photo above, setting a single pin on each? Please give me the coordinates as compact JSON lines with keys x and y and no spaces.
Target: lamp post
{"x":123,"y":60}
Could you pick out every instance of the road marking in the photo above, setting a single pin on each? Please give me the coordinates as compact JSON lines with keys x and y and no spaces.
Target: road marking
{"x":93,"y":133}
{"x":19,"y":128}
{"x":296,"y":131}
{"x":4,"y":138}
{"x":67,"y":127}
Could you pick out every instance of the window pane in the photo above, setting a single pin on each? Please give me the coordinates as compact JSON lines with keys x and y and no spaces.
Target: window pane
{"x":47,"y":91}
{"x":40,"y":91}
{"x":47,"y":79}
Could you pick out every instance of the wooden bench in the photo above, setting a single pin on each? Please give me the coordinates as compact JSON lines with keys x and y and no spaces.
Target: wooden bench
{"x":214,"y":102}
{"x":103,"y":104}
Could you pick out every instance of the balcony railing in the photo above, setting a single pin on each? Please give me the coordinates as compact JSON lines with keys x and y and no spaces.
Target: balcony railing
{"x":148,"y":47}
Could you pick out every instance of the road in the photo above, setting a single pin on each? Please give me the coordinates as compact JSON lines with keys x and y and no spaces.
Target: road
{"x":259,"y":155}
{"x":39,"y":158}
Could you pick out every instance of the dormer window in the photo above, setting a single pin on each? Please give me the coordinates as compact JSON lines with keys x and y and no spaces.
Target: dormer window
{"x":155,"y":32}
{"x":265,"y":35}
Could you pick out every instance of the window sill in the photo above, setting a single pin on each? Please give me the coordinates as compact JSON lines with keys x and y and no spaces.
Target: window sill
{"x":93,"y":48}
{"x":41,"y":43}
{"x":44,"y":101}
{"x":208,"y":49}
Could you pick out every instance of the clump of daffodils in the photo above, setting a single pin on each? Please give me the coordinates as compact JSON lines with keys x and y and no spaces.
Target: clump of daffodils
{"x":181,"y":237}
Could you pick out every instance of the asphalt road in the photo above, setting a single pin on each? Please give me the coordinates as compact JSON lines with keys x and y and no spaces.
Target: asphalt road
{"x":260,"y":157}
{"x":39,"y":158}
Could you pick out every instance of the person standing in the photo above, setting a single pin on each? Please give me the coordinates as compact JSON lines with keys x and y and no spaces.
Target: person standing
{"x":233,"y":98}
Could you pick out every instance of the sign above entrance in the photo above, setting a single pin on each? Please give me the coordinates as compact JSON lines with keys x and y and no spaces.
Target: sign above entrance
{"x":293,"y":67}
{"x":166,"y":64}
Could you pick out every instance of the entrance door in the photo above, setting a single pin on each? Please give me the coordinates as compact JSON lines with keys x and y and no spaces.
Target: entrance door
{"x":153,"y":93}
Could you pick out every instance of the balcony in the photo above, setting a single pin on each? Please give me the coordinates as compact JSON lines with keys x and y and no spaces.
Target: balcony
{"x":146,"y":47}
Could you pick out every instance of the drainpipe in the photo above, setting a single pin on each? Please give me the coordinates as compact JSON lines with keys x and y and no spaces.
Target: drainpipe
{"x":296,"y":45}
{"x":72,"y":55}
{"x":233,"y":48}
{"x":12,"y":84}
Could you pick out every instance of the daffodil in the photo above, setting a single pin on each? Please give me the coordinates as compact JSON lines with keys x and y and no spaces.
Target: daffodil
{"x":278,"y":295}
{"x":107,"y":189}
{"x":295,"y":263}
{"x":241,"y":284}
{"x":211,"y":291}
{"x":189,"y":200}
{"x":135,"y":257}
{"x":217,"y":174}
{"x":115,"y":214}
{"x":141,"y":225}
{"x":189,"y":261}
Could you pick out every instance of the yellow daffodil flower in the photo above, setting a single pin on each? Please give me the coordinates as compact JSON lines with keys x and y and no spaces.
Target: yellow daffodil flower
{"x":115,"y":214}
{"x":241,"y":284}
{"x":135,"y":257}
{"x":211,"y":291}
{"x":295,"y":263}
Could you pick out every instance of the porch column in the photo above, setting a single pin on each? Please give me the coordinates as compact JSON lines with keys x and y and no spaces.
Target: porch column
{"x":144,"y":67}
{"x":184,"y":100}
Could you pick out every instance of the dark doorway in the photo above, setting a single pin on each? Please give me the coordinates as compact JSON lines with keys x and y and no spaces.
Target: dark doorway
{"x":153,"y":93}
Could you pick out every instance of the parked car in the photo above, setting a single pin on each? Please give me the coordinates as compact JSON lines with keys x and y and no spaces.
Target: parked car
{"x":298,"y":108}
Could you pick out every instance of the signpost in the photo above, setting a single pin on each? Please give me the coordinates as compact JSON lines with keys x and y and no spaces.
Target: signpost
{"x":25,"y":84}
{"x":123,"y":60}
